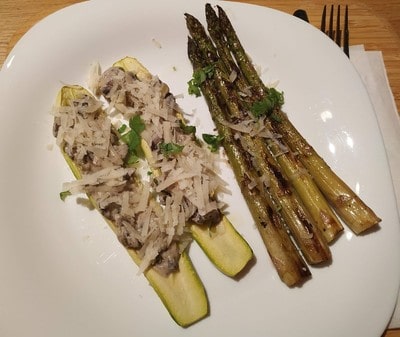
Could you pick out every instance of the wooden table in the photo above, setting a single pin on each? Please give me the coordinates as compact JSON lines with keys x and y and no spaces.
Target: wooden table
{"x":375,"y":24}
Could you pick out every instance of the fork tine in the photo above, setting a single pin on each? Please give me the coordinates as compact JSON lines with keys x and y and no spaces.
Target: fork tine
{"x":338,"y":31}
{"x":323,"y":19}
{"x":331,"y":31}
{"x":336,"y":34}
{"x":346,"y":33}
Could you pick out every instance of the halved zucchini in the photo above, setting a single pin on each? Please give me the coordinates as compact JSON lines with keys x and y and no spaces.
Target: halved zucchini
{"x":223,"y":245}
{"x":182,"y":292}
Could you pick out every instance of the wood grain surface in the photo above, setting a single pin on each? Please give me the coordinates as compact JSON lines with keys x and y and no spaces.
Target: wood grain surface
{"x":375,"y":24}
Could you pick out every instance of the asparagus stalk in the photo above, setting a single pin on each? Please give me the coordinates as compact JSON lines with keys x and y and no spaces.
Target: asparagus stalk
{"x":292,"y":208}
{"x":306,"y":234}
{"x":238,"y":51}
{"x":288,"y":262}
{"x":282,"y":197}
{"x":293,"y":170}
{"x":309,"y":193}
{"x":354,"y":212}
{"x":219,"y":52}
{"x":348,"y":205}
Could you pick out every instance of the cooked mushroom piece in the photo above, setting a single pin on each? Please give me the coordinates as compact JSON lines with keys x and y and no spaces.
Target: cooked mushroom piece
{"x":168,"y":260}
{"x":211,"y":218}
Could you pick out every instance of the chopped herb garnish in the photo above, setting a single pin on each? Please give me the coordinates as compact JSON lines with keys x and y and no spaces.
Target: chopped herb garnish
{"x":136,"y":123}
{"x":122,"y":128}
{"x":64,"y":195}
{"x":168,"y":149}
{"x":187,"y":129}
{"x":132,"y":138}
{"x":214,"y":141}
{"x":193,"y":88}
{"x":275,"y":117}
{"x":199,"y":76}
{"x":131,"y":158}
{"x":272,"y":101}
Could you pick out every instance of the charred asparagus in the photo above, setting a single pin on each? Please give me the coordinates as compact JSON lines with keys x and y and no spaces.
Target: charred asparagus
{"x":289,"y":264}
{"x":356,"y":214}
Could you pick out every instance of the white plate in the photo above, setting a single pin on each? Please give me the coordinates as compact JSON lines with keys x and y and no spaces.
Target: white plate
{"x":63,"y":273}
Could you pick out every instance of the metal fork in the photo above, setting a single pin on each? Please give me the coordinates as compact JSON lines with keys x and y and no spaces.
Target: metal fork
{"x":336,"y":34}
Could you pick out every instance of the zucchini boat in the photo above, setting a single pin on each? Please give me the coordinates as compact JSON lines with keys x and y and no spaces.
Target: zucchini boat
{"x":181,"y":291}
{"x":222,"y":244}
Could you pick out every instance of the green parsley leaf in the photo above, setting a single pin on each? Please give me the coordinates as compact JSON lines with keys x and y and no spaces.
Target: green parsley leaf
{"x":64,"y":195}
{"x":272,"y":101}
{"x":131,"y":158}
{"x":168,"y":149}
{"x":214,"y":141}
{"x":122,"y":128}
{"x":187,"y":129}
{"x":136,"y":123}
{"x":193,"y":88}
{"x":209,"y":70}
{"x":132,"y":138}
{"x":199,"y":76}
{"x":275,"y":117}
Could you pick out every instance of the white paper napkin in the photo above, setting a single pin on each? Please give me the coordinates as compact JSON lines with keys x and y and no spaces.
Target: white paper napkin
{"x":371,"y":68}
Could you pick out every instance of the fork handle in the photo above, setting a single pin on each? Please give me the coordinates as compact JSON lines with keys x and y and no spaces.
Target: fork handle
{"x":301,"y":14}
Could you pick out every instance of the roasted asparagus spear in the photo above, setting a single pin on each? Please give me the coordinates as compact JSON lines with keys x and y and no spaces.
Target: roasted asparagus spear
{"x":349,"y":206}
{"x":289,"y":264}
{"x":291,"y":167}
{"x":281,"y":195}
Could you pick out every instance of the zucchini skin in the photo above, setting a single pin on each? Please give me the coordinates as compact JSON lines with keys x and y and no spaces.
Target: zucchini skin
{"x":224,"y":246}
{"x":181,"y":292}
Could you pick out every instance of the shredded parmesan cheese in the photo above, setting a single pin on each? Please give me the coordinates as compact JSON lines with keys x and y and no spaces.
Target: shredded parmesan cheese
{"x":152,"y":214}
